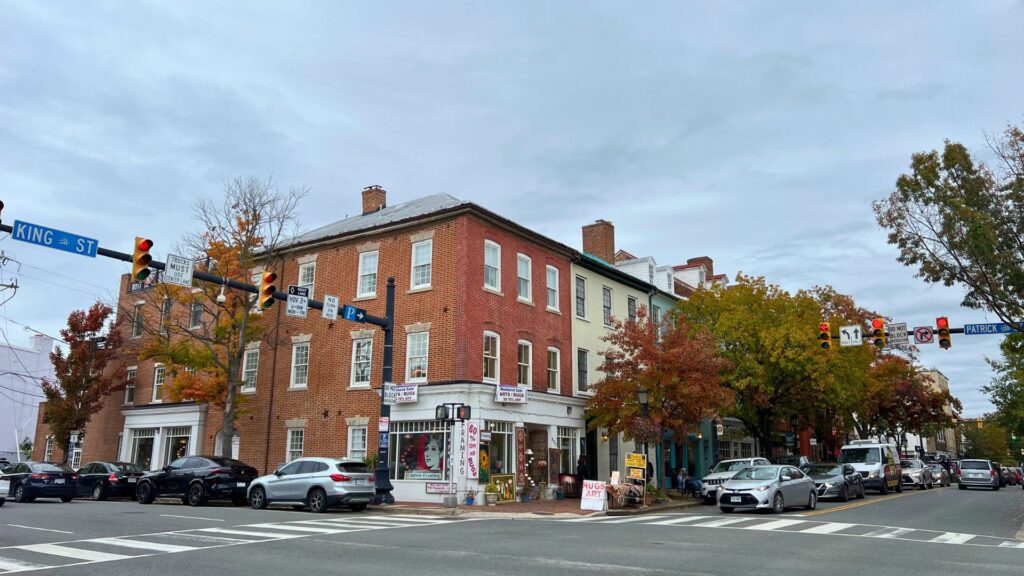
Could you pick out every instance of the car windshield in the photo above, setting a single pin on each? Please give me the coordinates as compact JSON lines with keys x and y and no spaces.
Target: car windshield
{"x":44,"y":467}
{"x":761,"y":473}
{"x":936,"y":467}
{"x":824,"y":470}
{"x":730,"y":466}
{"x":126,"y":467}
{"x":860,"y":456}
{"x":974,"y":465}
{"x":911,"y":464}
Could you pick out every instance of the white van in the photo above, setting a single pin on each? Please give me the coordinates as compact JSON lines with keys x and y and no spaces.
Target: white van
{"x":877,"y":463}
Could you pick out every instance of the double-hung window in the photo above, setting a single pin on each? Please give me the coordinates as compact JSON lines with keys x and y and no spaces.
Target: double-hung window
{"x":357,"y":442}
{"x":129,"y":388}
{"x":553,"y":372}
{"x":195,"y":317}
{"x":422,"y":260}
{"x":492,"y":362}
{"x":300,"y":365}
{"x":250,"y":368}
{"x":417,"y":346}
{"x":362,"y":354}
{"x":631,"y":308}
{"x":606,"y":305}
{"x":581,"y":297}
{"x":524,"y":363}
{"x":524,"y":276}
{"x":367,"y":274}
{"x":158,"y":383}
{"x":165,"y":315}
{"x":307,"y":276}
{"x":137,"y":321}
{"x":581,"y":369}
{"x":552,"y":278}
{"x":492,"y":265}
{"x":296,"y":440}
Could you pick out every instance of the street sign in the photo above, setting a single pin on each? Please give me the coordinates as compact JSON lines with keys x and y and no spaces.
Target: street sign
{"x":850,"y":336}
{"x":923,"y":335}
{"x":298,"y":301}
{"x":178,"y":270}
{"x":350,"y":312}
{"x":53,"y":238}
{"x":389,"y":393}
{"x":636,"y":460}
{"x":993,"y":328}
{"x":898,"y":335}
{"x":383,"y":423}
{"x":330,"y":307}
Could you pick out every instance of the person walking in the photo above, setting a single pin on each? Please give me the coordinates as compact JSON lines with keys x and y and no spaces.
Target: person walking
{"x":682,"y":480}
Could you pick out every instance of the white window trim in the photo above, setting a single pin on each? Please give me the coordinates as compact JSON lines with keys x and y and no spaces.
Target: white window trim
{"x":558,"y":369}
{"x":528,"y":298}
{"x":157,"y":399}
{"x":497,"y":358}
{"x":576,"y":374}
{"x":191,"y":314}
{"x":366,"y":440}
{"x":529,"y":371}
{"x":134,"y":384}
{"x":412,"y":265}
{"x":137,"y":327}
{"x":291,"y":380}
{"x":576,"y":290}
{"x":608,"y":322}
{"x":362,"y":272}
{"x":352,"y":372}
{"x":246,"y":388}
{"x":288,"y":444}
{"x":408,"y":349}
{"x":497,"y":287}
{"x":548,"y":286}
{"x":306,"y":266}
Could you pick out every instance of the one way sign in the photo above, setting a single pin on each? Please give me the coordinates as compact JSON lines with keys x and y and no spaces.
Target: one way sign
{"x":349,"y":312}
{"x":850,"y":336}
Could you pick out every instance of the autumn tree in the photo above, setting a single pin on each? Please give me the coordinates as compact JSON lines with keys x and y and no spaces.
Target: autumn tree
{"x":987,"y":442}
{"x":1007,"y":388}
{"x":82,"y":379}
{"x":677,"y":365}
{"x":959,"y":221}
{"x":202,"y":332}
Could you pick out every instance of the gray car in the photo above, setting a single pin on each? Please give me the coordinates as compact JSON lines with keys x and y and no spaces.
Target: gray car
{"x":916,"y":473}
{"x":836,"y":480}
{"x":939,"y":474}
{"x":768,"y":487}
{"x":318,"y":483}
{"x":980,"y":473}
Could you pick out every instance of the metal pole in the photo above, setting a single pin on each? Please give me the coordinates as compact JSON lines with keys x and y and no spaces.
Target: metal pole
{"x":383,"y":473}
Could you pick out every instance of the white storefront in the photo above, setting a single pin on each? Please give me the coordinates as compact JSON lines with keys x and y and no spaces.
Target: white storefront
{"x":531,"y":438}
{"x":156,"y":434}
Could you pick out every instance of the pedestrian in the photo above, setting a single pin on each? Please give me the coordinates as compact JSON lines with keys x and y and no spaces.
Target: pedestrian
{"x":581,"y":467}
{"x":681,"y":481}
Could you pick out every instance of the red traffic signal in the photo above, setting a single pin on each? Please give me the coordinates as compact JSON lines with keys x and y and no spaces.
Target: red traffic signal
{"x":463,"y":412}
{"x":877,"y":323}
{"x":825,"y":336}
{"x":267,"y":289}
{"x":878,"y":332}
{"x":942,"y":323}
{"x":141,"y":258}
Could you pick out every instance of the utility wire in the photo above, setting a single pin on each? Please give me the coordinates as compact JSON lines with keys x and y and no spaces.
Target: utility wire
{"x":22,"y":392}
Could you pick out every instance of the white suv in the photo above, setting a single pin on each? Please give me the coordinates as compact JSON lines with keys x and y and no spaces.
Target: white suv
{"x":318,"y":483}
{"x":723,"y":471}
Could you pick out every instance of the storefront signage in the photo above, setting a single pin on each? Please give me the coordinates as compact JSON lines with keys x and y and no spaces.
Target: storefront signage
{"x":593,"y":496}
{"x":510,"y":394}
{"x":439,"y":488}
{"x":406,"y":393}
{"x":383,"y":424}
{"x":422,"y":475}
{"x":636,"y":473}
{"x":635,"y":460}
{"x":472,"y":449}
{"x":485,"y":435}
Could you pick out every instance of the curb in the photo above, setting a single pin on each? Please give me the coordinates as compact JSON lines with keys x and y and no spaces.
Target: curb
{"x":655,"y":509}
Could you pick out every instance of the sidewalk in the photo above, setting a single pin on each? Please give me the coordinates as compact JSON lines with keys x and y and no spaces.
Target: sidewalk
{"x":534,"y":508}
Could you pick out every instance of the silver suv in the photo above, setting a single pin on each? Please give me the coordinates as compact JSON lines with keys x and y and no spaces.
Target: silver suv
{"x":318,"y":483}
{"x":978,"y":473}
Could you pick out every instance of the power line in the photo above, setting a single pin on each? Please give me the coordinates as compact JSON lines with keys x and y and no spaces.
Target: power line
{"x":6,"y":319}
{"x":5,"y":258}
{"x":59,"y":285}
{"x":22,"y":392}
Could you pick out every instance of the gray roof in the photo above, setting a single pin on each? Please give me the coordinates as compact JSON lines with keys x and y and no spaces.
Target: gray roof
{"x":396,"y":213}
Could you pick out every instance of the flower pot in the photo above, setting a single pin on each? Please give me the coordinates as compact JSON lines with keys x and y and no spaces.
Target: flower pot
{"x":470,"y":500}
{"x":490,"y":498}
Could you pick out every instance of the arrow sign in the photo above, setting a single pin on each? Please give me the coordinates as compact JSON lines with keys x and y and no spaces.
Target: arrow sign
{"x":849,"y":336}
{"x":923,"y":335}
{"x":353,"y":314}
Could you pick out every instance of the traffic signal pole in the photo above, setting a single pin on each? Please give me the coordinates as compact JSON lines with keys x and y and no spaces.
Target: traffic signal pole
{"x":382,"y":474}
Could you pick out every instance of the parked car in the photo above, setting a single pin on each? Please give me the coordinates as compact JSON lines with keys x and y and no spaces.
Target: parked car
{"x":197,"y":479}
{"x":1019,"y":475}
{"x":981,"y":473}
{"x":5,"y":486}
{"x":877,"y":463}
{"x":939,"y":474}
{"x":722,"y":472}
{"x":836,"y":480}
{"x":798,"y":461}
{"x":768,"y":487}
{"x":318,"y":483}
{"x":30,"y":480}
{"x":915,"y":473}
{"x":1010,"y":479}
{"x":102,"y":480}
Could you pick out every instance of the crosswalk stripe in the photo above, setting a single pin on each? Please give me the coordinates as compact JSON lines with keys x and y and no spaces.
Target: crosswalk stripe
{"x":588,"y":519}
{"x":407,"y":518}
{"x":354,"y":522}
{"x":76,"y":553}
{"x":9,"y":565}
{"x":829,"y":528}
{"x":952,"y":538}
{"x":278,"y":535}
{"x":632,"y":519}
{"x":343,"y":525}
{"x":215,"y":540}
{"x":1009,"y":544}
{"x":292,"y":526}
{"x":888,"y":533}
{"x":673,"y":521}
{"x":143,"y":545}
{"x":775,"y":524}
{"x":721,"y":522}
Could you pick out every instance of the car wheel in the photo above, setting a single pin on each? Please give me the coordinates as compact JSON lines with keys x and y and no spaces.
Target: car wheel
{"x":357,"y":507}
{"x":844,"y":494}
{"x":197,"y":494}
{"x":258,"y":498}
{"x":899,"y":487}
{"x":19,"y":495}
{"x":2,"y":501}
{"x":727,"y":509}
{"x":778,"y":504}
{"x":66,"y":498}
{"x":317,"y":501}
{"x":145,"y":494}
{"x":812,"y":501}
{"x":862,"y":494}
{"x":995,"y":488}
{"x":98,"y":493}
{"x":961,"y":486}
{"x":884,"y":490}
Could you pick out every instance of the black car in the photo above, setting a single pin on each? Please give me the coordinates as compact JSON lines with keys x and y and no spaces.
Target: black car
{"x":836,"y":480}
{"x":31,"y":480}
{"x":103,"y":480}
{"x":197,"y":479}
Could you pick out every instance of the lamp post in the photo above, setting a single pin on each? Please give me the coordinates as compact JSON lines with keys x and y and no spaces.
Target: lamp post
{"x":382,"y":474}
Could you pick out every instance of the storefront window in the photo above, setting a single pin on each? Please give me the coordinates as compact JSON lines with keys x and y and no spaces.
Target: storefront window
{"x":567,"y":445}
{"x":176,"y":442}
{"x":142,"y":447}
{"x":419,"y":449}
{"x":502,"y":448}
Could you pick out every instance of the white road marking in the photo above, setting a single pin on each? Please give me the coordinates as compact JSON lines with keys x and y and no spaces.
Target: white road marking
{"x":43,"y":529}
{"x":1011,"y":544}
{"x":139,"y":544}
{"x":216,"y":540}
{"x":408,"y":518}
{"x":588,"y":519}
{"x":11,"y":565}
{"x":889,"y":533}
{"x":952,"y":538}
{"x":673,"y":521}
{"x":826,"y":528}
{"x":632,"y":519}
{"x":774,"y":524}
{"x":337,"y":524}
{"x":277,"y":535}
{"x":292,"y":526}
{"x":192,"y":517}
{"x":721,"y":522}
{"x":76,"y":553}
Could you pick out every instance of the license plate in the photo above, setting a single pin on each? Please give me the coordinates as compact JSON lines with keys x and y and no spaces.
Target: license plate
{"x":735,"y":499}
{"x":133,"y":480}
{"x":58,"y":481}
{"x":360,"y":482}
{"x":240,"y":484}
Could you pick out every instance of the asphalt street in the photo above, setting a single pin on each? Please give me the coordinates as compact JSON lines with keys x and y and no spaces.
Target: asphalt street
{"x":941,"y":531}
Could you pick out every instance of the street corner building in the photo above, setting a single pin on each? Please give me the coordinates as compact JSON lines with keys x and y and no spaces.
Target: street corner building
{"x":488,"y":313}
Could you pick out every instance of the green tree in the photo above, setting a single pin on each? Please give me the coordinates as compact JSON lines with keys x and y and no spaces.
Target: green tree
{"x":960,"y":222}
{"x":25,"y":446}
{"x":1007,"y":388}
{"x":987,"y":442}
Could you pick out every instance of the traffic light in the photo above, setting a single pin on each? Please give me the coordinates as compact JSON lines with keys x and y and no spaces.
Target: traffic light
{"x":942,"y":323}
{"x":141,"y":259}
{"x":878,"y":332}
{"x":267,"y":289}
{"x":441,"y":413}
{"x":825,"y":336}
{"x":462,"y":412}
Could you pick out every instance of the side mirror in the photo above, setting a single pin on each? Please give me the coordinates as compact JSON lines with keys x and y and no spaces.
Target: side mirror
{"x":277,"y":472}
{"x":166,"y":468}
{"x":786,"y":478}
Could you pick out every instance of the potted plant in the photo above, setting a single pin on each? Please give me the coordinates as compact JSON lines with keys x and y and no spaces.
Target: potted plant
{"x":491,"y":493}
{"x":470,"y":496}
{"x":649,"y":493}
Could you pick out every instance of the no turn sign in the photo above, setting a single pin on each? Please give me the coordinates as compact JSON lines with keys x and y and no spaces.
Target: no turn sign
{"x":923,"y":335}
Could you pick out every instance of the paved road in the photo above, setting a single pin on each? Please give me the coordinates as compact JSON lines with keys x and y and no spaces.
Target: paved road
{"x":897,"y":535}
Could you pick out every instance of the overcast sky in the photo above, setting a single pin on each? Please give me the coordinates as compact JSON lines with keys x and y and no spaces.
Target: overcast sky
{"x":754,"y":133}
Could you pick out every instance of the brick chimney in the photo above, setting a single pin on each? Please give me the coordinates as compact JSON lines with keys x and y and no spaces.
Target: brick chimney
{"x":374,"y":199}
{"x":599,"y":240}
